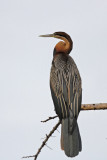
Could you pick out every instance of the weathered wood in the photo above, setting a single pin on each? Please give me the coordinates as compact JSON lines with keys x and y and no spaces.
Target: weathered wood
{"x":97,"y":106}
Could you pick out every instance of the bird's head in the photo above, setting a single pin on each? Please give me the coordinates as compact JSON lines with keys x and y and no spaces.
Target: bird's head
{"x":65,"y":45}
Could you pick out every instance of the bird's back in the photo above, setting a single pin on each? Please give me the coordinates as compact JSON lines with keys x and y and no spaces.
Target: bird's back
{"x":65,"y":81}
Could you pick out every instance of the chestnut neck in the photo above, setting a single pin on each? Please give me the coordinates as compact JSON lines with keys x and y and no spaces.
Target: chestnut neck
{"x":64,"y":46}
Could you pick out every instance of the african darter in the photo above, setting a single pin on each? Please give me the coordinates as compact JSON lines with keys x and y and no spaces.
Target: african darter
{"x":66,"y":91}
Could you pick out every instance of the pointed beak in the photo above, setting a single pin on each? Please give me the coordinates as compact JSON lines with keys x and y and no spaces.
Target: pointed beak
{"x":47,"y":35}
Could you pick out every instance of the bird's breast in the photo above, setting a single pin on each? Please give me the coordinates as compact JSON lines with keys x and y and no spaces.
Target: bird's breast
{"x":60,"y":61}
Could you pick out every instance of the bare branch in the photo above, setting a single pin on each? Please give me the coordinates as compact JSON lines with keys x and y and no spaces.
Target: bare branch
{"x":98,"y":106}
{"x":44,"y":142}
{"x":49,"y":119}
{"x":28,"y":156}
{"x":84,"y":107}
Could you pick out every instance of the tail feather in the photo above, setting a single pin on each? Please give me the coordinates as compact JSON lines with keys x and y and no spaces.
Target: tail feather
{"x":70,"y":137}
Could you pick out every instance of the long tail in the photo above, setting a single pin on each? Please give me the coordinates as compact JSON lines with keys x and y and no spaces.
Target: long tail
{"x":70,"y":137}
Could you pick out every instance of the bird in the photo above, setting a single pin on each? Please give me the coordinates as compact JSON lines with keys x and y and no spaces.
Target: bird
{"x":66,"y":92}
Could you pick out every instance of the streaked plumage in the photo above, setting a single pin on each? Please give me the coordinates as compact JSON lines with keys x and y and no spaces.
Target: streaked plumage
{"x":66,"y":91}
{"x":65,"y":83}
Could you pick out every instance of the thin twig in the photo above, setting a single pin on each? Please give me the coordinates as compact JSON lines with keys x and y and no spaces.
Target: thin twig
{"x":49,"y":119}
{"x":44,"y":142}
{"x":48,"y":146}
{"x":28,"y":156}
{"x":57,"y":130}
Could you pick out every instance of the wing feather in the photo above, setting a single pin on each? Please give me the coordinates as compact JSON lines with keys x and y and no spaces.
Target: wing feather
{"x":66,"y":89}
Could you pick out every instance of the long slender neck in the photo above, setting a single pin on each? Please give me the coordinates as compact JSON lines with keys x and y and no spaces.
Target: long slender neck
{"x":64,"y":46}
